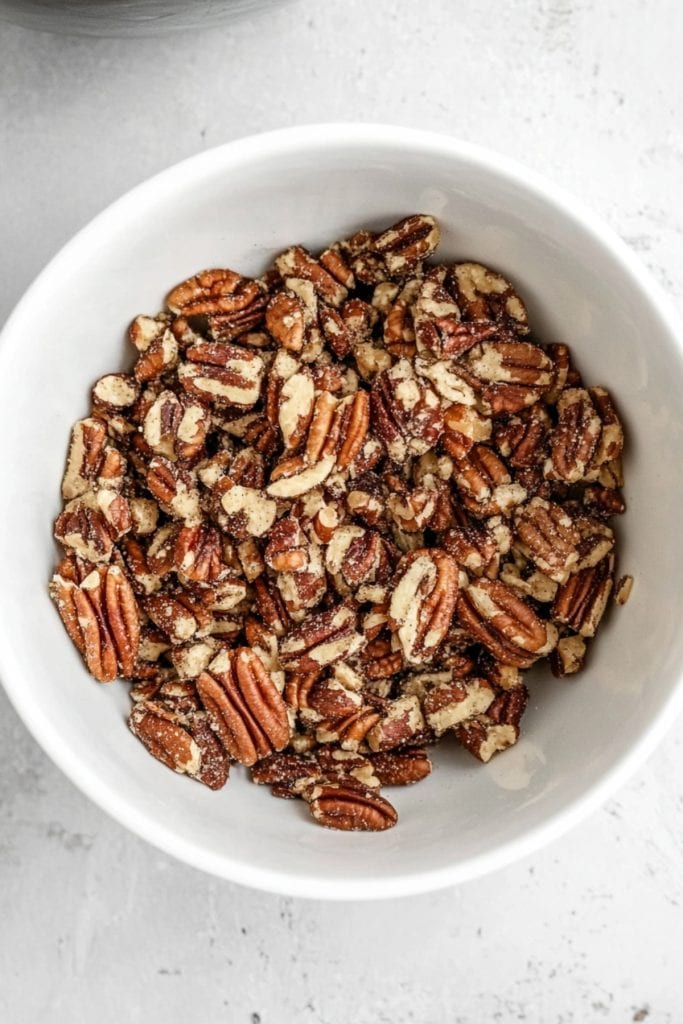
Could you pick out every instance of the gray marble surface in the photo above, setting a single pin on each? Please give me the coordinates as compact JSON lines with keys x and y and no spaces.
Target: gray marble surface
{"x":96,"y":925}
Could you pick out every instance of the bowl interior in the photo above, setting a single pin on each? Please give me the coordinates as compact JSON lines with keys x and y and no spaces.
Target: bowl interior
{"x":238,"y":206}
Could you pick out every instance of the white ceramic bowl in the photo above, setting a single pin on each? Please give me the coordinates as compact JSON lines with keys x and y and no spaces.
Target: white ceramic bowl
{"x":126,"y":17}
{"x":238,"y":205}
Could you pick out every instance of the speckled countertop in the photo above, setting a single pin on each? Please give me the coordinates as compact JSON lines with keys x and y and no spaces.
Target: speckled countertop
{"x":96,"y":925}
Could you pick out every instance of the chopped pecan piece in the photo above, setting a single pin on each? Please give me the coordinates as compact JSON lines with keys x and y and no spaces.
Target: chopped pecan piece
{"x":623,"y":589}
{"x":446,"y":705}
{"x":568,"y":657}
{"x":485,"y":484}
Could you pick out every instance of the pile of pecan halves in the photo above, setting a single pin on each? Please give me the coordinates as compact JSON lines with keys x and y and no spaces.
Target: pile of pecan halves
{"x":333,"y":514}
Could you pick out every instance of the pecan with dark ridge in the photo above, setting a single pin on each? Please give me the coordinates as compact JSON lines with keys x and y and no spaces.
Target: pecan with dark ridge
{"x":102,"y":617}
{"x":483,"y":294}
{"x":422,"y":602}
{"x":505,"y":624}
{"x":548,"y":535}
{"x":321,"y":640}
{"x":581,"y":602}
{"x":298,"y":263}
{"x":406,"y":244}
{"x":244,"y":705}
{"x":485,"y":484}
{"x":575,"y":438}
{"x":222,"y":374}
{"x":350,"y":808}
{"x":229,"y":304}
{"x":401,"y":767}
{"x":406,"y":415}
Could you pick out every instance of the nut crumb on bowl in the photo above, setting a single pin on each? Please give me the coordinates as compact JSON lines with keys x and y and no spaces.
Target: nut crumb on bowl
{"x":331,"y":517}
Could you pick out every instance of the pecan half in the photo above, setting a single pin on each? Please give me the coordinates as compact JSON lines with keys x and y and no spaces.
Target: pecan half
{"x":575,"y":439}
{"x":478,"y":547}
{"x":298,"y":264}
{"x":581,"y":602}
{"x":244,"y":705}
{"x":463,"y":427}
{"x":288,"y":771}
{"x":506,"y":625}
{"x":521,"y":439}
{"x":198,"y":554}
{"x":549,"y":537}
{"x":92,"y":462}
{"x":350,"y":808}
{"x":162,"y":733}
{"x":176,"y":427}
{"x":406,"y":244}
{"x":242,"y":511}
{"x":321,"y":640}
{"x":175,"y":489}
{"x":401,"y":767}
{"x":406,"y":415}
{"x":228,"y":303}
{"x":358,"y":556}
{"x":423,"y":602}
{"x":115,"y":392}
{"x":102,"y":618}
{"x":176,"y":615}
{"x":483,"y":294}
{"x":286,"y":320}
{"x":400,"y":725}
{"x":222,"y":374}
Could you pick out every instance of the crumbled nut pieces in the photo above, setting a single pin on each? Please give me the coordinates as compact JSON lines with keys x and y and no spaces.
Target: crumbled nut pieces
{"x":332,"y":515}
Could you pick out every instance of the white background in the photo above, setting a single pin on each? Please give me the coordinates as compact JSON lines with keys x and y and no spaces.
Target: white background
{"x":94,"y":924}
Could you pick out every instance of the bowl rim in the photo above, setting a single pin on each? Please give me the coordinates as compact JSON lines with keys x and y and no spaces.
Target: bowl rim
{"x":270,"y":144}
